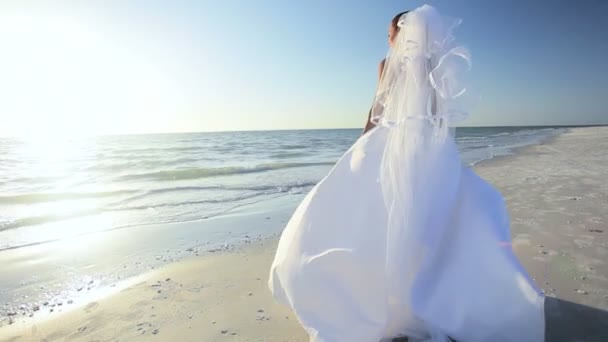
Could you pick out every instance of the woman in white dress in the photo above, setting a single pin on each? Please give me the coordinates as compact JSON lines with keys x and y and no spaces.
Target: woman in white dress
{"x":401,"y":239}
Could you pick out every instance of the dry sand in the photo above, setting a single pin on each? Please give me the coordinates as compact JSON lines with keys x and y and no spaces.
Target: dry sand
{"x":557,"y":194}
{"x":220,"y":297}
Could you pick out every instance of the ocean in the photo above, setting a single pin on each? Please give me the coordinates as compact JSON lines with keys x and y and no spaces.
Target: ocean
{"x":52,"y":190}
{"x":80,"y":216}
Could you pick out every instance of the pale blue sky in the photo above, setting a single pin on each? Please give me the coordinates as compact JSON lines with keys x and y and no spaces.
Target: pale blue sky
{"x":96,"y":67}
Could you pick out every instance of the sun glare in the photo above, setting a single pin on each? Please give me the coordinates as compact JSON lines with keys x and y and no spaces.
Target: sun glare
{"x":57,"y":161}
{"x":62,"y":76}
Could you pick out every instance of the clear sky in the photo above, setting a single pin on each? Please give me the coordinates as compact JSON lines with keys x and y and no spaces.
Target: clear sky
{"x":97,"y":67}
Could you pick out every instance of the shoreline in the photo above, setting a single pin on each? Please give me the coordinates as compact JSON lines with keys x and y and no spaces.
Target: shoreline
{"x":502,"y":151}
{"x":515,"y":151}
{"x":565,"y":262}
{"x":135,"y":252}
{"x":204,"y":292}
{"x":141,"y":248}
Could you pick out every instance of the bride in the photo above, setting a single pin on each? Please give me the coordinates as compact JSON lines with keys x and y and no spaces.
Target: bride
{"x":401,"y":239}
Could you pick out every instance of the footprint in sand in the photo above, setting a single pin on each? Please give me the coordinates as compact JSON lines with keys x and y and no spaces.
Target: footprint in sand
{"x":580,"y":243}
{"x":90,"y":307}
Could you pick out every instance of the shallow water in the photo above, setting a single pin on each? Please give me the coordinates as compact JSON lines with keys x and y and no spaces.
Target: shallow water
{"x":79,"y":216}
{"x":52,"y":190}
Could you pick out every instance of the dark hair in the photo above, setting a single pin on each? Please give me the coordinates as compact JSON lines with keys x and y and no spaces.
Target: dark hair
{"x":395,"y":21}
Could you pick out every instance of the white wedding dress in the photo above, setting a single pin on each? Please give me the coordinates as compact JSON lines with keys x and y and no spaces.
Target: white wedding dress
{"x":401,"y":239}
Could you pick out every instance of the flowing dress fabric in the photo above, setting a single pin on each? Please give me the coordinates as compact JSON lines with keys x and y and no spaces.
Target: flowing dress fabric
{"x":400,"y":238}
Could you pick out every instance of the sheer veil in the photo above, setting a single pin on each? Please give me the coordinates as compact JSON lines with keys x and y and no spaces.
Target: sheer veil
{"x":418,"y":99}
{"x":422,"y":74}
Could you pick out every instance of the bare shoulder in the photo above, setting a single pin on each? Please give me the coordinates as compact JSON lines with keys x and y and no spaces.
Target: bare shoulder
{"x":381,"y":67}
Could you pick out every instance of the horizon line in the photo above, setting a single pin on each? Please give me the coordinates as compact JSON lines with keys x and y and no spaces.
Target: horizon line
{"x":302,"y":129}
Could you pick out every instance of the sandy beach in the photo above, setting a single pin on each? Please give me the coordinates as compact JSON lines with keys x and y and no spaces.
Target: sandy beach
{"x":558,"y":200}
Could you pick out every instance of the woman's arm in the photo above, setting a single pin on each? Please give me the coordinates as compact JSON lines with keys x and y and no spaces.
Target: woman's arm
{"x":369,"y":125}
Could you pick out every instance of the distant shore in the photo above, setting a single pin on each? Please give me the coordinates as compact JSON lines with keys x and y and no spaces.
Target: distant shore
{"x":557,"y":197}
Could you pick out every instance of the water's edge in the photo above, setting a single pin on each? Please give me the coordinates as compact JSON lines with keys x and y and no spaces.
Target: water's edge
{"x":150,"y":246}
